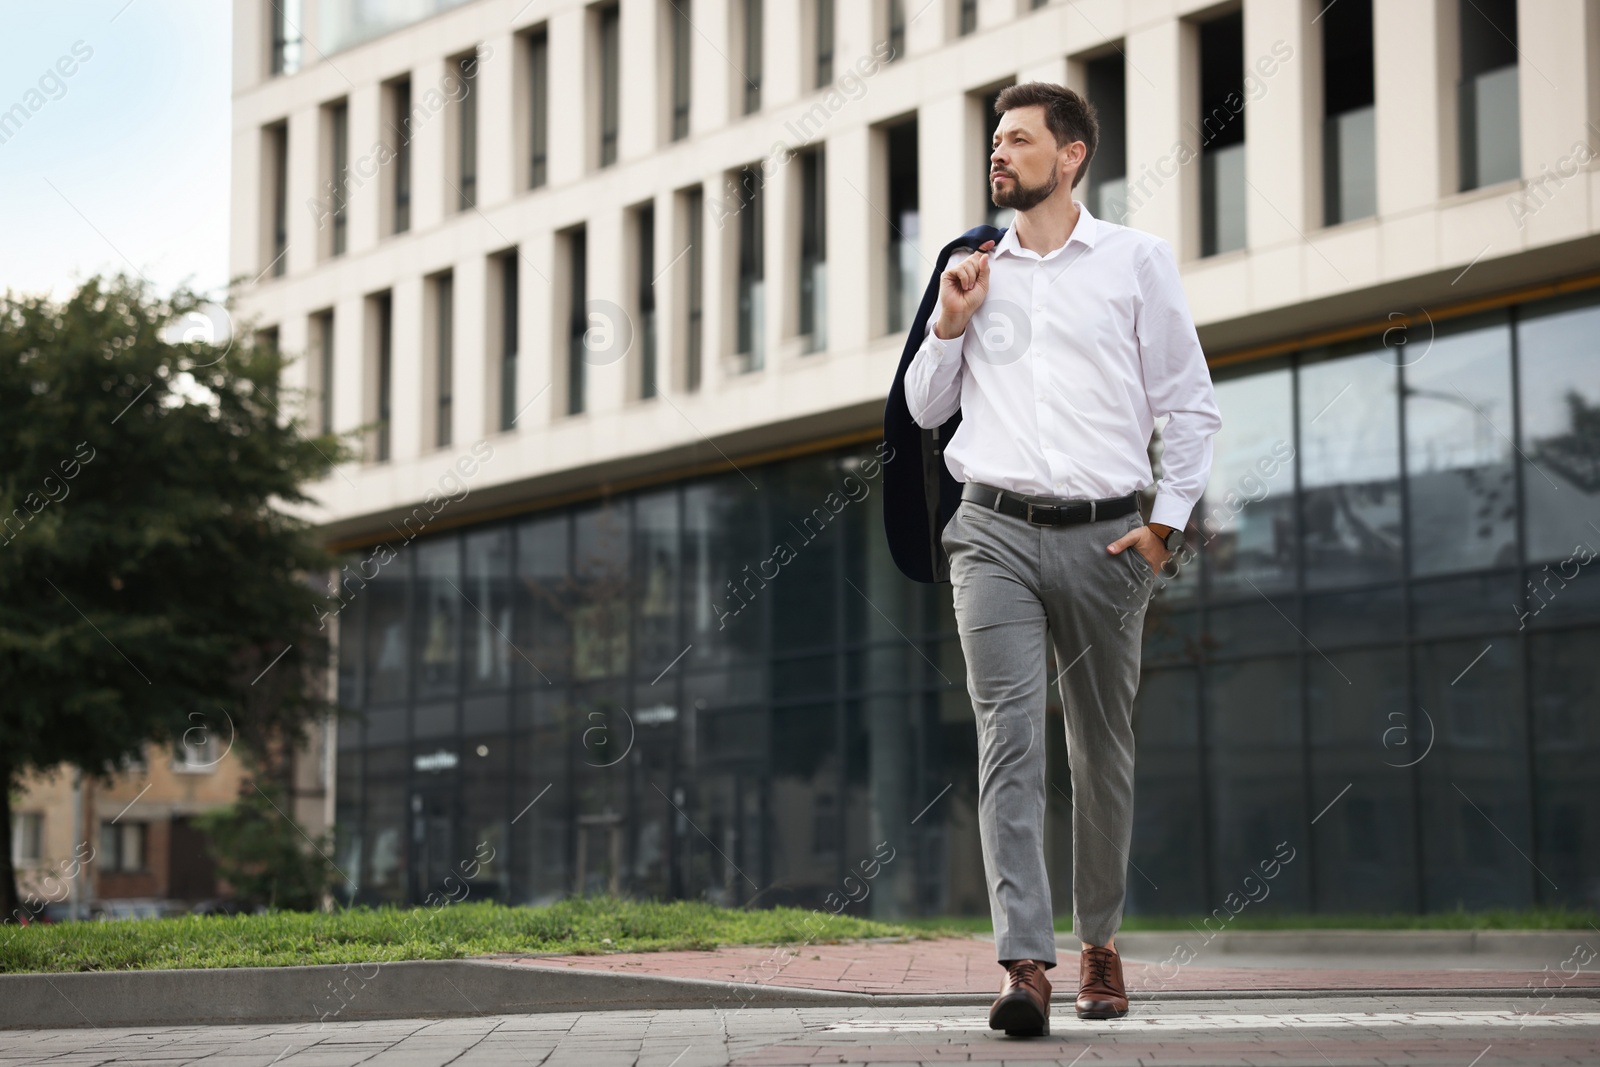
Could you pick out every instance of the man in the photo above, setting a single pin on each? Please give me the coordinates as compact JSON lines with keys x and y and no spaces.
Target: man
{"x":1053,"y":348}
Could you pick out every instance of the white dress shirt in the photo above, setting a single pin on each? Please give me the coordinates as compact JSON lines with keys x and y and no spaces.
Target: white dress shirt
{"x":1064,"y":369}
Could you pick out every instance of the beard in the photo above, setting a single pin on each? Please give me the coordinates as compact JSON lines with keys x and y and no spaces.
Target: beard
{"x":1023,"y":197}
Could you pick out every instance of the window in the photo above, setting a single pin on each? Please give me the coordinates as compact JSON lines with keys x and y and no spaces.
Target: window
{"x":751,"y":10}
{"x":27,"y":837}
{"x":285,"y":18}
{"x":895,"y":30}
{"x":443,"y":357}
{"x":1222,"y":188}
{"x":336,"y":182}
{"x":750,"y":329}
{"x":577,"y":318}
{"x":682,"y":35}
{"x":467,"y":133}
{"x":275,"y":150}
{"x":380,"y":310}
{"x":645,"y":229}
{"x":903,"y":255}
{"x":400,"y":172}
{"x":539,"y":111}
{"x":322,"y":338}
{"x":813,"y":250}
{"x":122,"y":846}
{"x":1487,"y":93}
{"x":1107,"y":193}
{"x":966,"y":17}
{"x":694,"y":296}
{"x":610,"y":82}
{"x":1349,"y":167}
{"x":197,"y":752}
{"x":509,"y":300}
{"x":994,"y":216}
{"x":822,"y":56}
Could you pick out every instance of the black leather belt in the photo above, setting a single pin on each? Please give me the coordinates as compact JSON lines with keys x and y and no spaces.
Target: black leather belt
{"x":1049,"y":511}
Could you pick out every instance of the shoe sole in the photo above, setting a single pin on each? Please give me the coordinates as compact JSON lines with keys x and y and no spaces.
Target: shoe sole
{"x":1097,"y":1014}
{"x":1019,"y":1018}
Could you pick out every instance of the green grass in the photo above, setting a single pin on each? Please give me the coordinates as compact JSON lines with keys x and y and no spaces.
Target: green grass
{"x":360,"y":935}
{"x":1494,"y":919}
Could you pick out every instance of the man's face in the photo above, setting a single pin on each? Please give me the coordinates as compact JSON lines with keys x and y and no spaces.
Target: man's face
{"x":1026,"y":167}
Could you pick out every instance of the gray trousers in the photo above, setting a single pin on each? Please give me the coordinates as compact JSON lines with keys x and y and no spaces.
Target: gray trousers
{"x":1014,"y":583}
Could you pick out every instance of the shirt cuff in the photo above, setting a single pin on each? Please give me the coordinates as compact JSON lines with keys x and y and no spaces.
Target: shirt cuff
{"x":1168,"y":510}
{"x":942,"y":348}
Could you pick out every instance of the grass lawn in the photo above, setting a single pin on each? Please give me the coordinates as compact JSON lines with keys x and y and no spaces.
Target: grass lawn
{"x":587,"y":925}
{"x":1497,"y":919}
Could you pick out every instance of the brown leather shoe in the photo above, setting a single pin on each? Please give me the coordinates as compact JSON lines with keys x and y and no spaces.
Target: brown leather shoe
{"x":1101,"y":993}
{"x":1023,"y":1007}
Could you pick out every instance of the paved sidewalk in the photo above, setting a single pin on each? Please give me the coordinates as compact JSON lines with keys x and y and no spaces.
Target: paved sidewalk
{"x":967,"y":965}
{"x":1313,"y":1031}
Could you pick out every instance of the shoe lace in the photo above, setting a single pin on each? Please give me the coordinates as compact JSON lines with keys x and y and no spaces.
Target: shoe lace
{"x":1023,"y":971}
{"x":1099,"y":960}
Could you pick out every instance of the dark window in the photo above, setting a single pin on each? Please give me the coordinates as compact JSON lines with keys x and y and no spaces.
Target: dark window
{"x":610,"y":82}
{"x":1107,"y":182}
{"x":751,"y":329}
{"x":401,"y":131}
{"x":682,"y":35}
{"x":1490,"y":124}
{"x":823,"y":68}
{"x":122,"y":846}
{"x":903,"y":257}
{"x":814,"y":250}
{"x":897,"y":29}
{"x":325,"y":372}
{"x":539,"y":110}
{"x":645,"y":220}
{"x":694,"y":212}
{"x":752,"y":56}
{"x":467,"y":133}
{"x":339,"y":174}
{"x":384,"y":309}
{"x":577,"y":318}
{"x":1222,"y":178}
{"x":994,"y":216}
{"x":444,"y":347}
{"x":967,"y":17}
{"x":1349,"y":167}
{"x":278,"y":196}
{"x":286,"y":38}
{"x":509,"y":299}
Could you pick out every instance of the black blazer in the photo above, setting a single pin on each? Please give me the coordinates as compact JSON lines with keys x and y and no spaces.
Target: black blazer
{"x":919,"y":493}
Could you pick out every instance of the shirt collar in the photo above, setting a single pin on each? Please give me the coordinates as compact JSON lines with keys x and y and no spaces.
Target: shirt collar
{"x":1084,"y":233}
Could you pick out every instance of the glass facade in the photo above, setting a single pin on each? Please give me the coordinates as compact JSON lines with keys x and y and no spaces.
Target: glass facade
{"x":1382,"y":652}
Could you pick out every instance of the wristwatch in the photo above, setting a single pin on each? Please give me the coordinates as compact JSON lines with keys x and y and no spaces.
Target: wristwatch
{"x":1173,"y":540}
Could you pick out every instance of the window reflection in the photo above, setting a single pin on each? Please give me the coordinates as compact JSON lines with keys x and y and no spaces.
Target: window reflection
{"x":1559,"y":383}
{"x":1458,"y":451}
{"x":438,"y":616}
{"x":385,"y":633}
{"x":1245,"y":521}
{"x":600,"y":593}
{"x":488,"y":620}
{"x":1350,"y":466}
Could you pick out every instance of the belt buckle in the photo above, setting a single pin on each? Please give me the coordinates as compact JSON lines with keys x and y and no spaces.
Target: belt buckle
{"x":1042,"y":508}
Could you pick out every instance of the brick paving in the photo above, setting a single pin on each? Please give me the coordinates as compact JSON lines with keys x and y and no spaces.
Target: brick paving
{"x":967,"y":965}
{"x":1328,"y":1029}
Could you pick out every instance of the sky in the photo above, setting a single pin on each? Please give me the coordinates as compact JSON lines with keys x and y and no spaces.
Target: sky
{"x":123,"y":165}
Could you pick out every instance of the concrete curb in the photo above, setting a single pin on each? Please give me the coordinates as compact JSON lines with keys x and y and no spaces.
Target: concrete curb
{"x":423,"y":989}
{"x":1158,"y":944}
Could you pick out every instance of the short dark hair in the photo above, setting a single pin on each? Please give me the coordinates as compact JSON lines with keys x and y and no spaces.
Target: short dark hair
{"x":1068,"y":115}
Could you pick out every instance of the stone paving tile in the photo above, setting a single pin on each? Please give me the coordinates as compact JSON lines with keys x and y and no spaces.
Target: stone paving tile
{"x":967,"y":965}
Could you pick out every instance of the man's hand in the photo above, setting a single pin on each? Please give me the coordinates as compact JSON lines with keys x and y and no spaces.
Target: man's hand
{"x":962,"y":290}
{"x":1147,"y":542}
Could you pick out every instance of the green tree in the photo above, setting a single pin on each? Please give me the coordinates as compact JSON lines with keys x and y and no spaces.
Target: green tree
{"x":154,"y":576}
{"x":263,"y":857}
